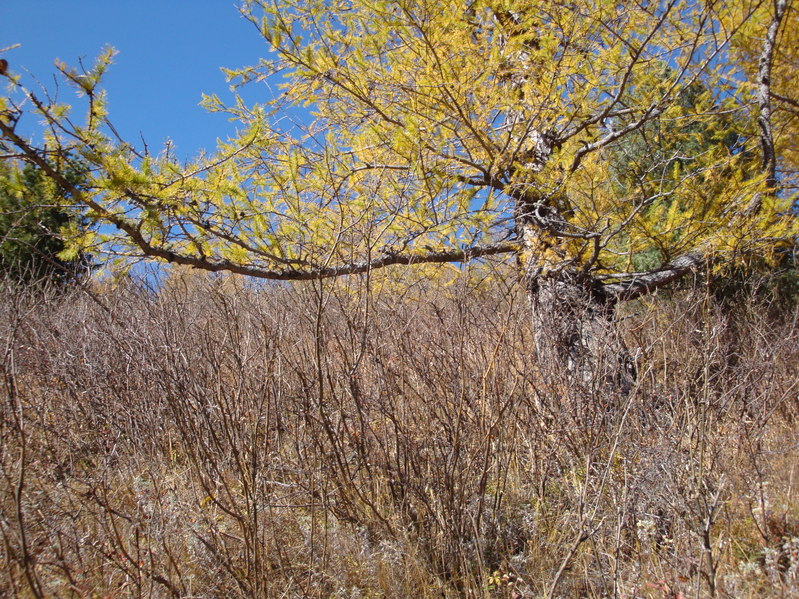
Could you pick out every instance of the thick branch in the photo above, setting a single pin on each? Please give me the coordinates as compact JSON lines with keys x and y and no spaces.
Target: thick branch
{"x":351,"y":268}
{"x":639,"y":284}
{"x":764,"y":94}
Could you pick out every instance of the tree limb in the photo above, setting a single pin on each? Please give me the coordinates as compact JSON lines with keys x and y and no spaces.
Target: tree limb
{"x":212,"y":264}
{"x":639,"y":284}
{"x":764,"y":94}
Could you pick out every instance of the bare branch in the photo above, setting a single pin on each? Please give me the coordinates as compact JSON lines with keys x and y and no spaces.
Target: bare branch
{"x":637,"y":284}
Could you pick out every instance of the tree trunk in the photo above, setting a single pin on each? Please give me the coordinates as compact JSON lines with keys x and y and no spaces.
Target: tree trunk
{"x":573,"y":315}
{"x":575,"y":330}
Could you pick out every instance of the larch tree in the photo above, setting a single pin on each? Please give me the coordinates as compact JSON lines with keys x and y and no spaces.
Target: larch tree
{"x":580,"y":136}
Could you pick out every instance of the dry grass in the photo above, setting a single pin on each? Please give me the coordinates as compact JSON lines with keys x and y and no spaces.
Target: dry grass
{"x":212,"y":440}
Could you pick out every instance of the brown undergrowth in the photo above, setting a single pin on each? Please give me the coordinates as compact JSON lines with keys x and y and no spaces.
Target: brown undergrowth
{"x":215,"y":440}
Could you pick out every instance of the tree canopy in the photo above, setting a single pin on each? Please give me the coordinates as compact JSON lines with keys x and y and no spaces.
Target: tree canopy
{"x":607,"y":140}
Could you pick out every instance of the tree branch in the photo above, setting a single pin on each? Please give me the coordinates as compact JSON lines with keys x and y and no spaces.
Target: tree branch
{"x":211,"y":264}
{"x":639,"y":284}
{"x":764,"y":94}
{"x":785,"y":99}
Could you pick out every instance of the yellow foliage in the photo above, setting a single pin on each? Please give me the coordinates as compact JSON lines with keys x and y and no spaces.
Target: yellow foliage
{"x":406,"y":131}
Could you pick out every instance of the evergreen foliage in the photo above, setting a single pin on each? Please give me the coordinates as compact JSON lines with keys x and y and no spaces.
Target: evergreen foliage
{"x":33,"y":218}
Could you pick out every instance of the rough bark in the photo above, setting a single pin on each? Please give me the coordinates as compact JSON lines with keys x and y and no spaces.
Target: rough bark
{"x":575,"y":329}
{"x":573,"y":317}
{"x":763,"y":82}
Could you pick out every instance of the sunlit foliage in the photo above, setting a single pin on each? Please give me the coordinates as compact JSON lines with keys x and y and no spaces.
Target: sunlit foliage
{"x":599,"y":137}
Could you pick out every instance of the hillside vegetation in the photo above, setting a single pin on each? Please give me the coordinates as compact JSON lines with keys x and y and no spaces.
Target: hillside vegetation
{"x":212,"y":439}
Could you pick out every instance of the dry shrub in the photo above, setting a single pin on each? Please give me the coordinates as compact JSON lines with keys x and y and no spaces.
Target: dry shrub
{"x":211,"y":439}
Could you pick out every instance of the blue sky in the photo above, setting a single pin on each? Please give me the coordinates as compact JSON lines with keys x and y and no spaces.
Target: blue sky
{"x":170,"y":52}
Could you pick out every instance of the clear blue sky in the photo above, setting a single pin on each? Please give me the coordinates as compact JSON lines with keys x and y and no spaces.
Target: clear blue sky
{"x":170,"y":52}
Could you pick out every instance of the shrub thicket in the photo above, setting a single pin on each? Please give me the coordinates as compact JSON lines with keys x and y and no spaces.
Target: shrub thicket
{"x":215,"y":440}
